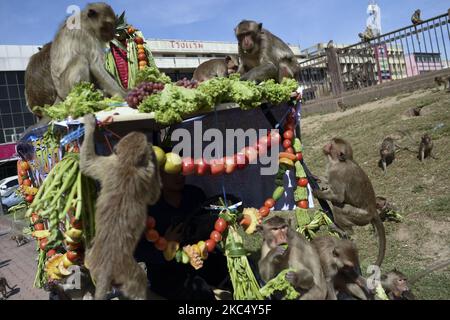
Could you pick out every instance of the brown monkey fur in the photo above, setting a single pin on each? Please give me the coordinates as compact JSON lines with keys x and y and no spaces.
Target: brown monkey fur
{"x":387,"y":153}
{"x":300,"y":255}
{"x":130,"y":181}
{"x":39,"y":87}
{"x":425,"y":147}
{"x":396,"y":286}
{"x":415,"y":18}
{"x":263,"y":55}
{"x":78,"y":55}
{"x":340,"y":264}
{"x":216,"y":68}
{"x":351,"y":192}
{"x":443,"y":81}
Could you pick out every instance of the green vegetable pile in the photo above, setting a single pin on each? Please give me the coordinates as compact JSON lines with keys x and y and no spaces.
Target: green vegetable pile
{"x":279,"y":284}
{"x":175,"y":103}
{"x":83,"y":99}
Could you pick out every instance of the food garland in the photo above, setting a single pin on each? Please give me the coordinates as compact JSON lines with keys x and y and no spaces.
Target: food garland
{"x":62,"y":218}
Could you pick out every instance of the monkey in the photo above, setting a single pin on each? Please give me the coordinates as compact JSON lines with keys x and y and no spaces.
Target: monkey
{"x":77,"y":54}
{"x":130,"y":181}
{"x":263,"y":55}
{"x":20,"y":240}
{"x":387,"y":153}
{"x":342,"y":106}
{"x":39,"y":87}
{"x":216,"y":68}
{"x":367,"y":35}
{"x":443,"y":81}
{"x":300,"y":255}
{"x":415,"y":18}
{"x":340,"y":264}
{"x":396,"y":286}
{"x":3,"y":285}
{"x":425,"y":148}
{"x":351,"y":192}
{"x":330,"y":44}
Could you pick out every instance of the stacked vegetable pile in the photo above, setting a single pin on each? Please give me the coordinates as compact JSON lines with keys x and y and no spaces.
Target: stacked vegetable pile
{"x":176,"y":102}
{"x":62,"y":218}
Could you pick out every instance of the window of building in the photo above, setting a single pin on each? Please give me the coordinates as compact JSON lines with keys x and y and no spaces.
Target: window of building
{"x":12,"y":134}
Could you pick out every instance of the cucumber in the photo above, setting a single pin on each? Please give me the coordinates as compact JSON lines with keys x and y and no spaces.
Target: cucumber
{"x":278,"y":193}
{"x":297,"y":145}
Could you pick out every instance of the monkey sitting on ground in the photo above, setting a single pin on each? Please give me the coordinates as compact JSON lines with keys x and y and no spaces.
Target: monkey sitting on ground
{"x":387,"y":153}
{"x":20,"y":240}
{"x":425,"y":148}
{"x":77,"y":54}
{"x":443,"y":81}
{"x":216,"y":68}
{"x":300,"y":255}
{"x":3,"y":286}
{"x":130,"y":181}
{"x":263,"y":55}
{"x":415,"y":18}
{"x":39,"y":87}
{"x":351,"y":192}
{"x":395,"y":284}
{"x":340,"y":265}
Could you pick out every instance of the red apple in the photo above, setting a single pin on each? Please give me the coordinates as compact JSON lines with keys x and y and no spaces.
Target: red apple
{"x":202,"y":167}
{"x":241,"y":160}
{"x":230,"y":164}
{"x":217,"y":167}
{"x":299,"y":156}
{"x":188,"y":166}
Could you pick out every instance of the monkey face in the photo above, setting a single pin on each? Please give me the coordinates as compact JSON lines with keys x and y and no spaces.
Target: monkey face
{"x":232,"y":64}
{"x":248,"y":35}
{"x":338,"y":150}
{"x":102,"y":20}
{"x":279,"y":236}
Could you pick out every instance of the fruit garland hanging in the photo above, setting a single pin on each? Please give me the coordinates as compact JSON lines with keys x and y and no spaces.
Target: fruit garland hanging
{"x":129,"y":53}
{"x":250,"y":218}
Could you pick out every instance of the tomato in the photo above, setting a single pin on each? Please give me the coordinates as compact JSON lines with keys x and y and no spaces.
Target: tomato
{"x":51,"y":253}
{"x":210,"y":245}
{"x":29,"y":198}
{"x":241,"y":160}
{"x":39,"y":227}
{"x":161,"y":244}
{"x":289,"y":134}
{"x":43,"y":243}
{"x":287,"y":144}
{"x":142,"y":57}
{"x":304,"y":204}
{"x":230,"y":165}
{"x":151,"y":223}
{"x":251,"y":153}
{"x":72,"y":256}
{"x":299,"y":156}
{"x":221,"y":225}
{"x":142,"y":63}
{"x":265,"y":141}
{"x":203,"y":167}
{"x":141,"y":51}
{"x":216,"y":236}
{"x":217,"y":167}
{"x":270,"y":203}
{"x":303,"y":182}
{"x":34,"y":218}
{"x":289,"y":127}
{"x":24,"y":166}
{"x":188,"y":167}
{"x":74,"y":246}
{"x":131,"y":30}
{"x":76,"y":223}
{"x":27,"y":182}
{"x":152,"y":235}
{"x":139,"y":40}
{"x":290,"y":150}
{"x":264,"y":212}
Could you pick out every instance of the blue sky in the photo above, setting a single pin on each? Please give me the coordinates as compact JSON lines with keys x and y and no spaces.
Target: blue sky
{"x":303,"y":22}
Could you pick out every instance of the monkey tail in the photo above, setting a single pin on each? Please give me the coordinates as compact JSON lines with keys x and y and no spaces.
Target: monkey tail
{"x":437,"y":266}
{"x":379,"y":227}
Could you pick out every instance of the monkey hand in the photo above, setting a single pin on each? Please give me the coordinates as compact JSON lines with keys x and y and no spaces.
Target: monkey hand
{"x":278,"y":251}
{"x":291,"y":277}
{"x":174,"y":233}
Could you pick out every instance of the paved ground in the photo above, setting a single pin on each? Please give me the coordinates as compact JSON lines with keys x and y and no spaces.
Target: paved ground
{"x":18,"y":266}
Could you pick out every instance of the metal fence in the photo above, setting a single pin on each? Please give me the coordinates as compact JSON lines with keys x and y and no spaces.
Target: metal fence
{"x":400,"y":54}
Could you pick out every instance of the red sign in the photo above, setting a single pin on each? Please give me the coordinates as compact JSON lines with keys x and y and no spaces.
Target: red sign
{"x":186,"y":45}
{"x":7,"y":151}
